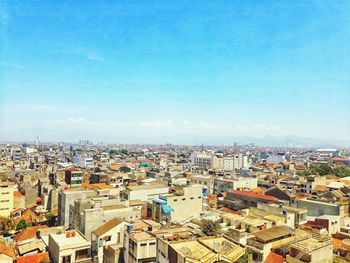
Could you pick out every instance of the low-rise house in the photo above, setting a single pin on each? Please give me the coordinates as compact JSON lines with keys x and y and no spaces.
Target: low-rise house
{"x":263,"y":241}
{"x":205,"y":249}
{"x":109,"y":234}
{"x":69,"y":247}
{"x":145,"y":192}
{"x":183,"y":204}
{"x":243,"y":199}
{"x":312,"y":248}
{"x":139,"y":246}
{"x":28,"y":241}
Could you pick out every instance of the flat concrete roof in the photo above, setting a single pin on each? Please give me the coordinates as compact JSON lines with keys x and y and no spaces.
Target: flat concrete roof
{"x":65,"y":242}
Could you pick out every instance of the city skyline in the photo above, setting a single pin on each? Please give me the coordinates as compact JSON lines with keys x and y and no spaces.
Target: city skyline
{"x":142,"y":71}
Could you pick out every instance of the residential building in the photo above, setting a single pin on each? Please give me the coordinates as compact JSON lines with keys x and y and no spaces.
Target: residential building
{"x":6,"y":198}
{"x":263,"y":241}
{"x":183,"y":204}
{"x":83,"y":161}
{"x":74,"y":177}
{"x":311,"y":248}
{"x":69,"y":247}
{"x":201,"y":160}
{"x":237,"y":183}
{"x":139,"y":246}
{"x":87,"y":215}
{"x":204,"y":249}
{"x":67,"y":198}
{"x":145,"y":192}
{"x":109,"y":234}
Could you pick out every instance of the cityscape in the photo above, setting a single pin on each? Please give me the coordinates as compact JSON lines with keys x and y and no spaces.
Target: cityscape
{"x":174,"y":131}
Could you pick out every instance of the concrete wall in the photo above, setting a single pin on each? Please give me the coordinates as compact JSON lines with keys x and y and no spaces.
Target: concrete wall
{"x":315,"y":208}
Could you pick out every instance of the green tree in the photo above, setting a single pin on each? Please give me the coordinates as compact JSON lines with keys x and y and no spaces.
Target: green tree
{"x":243,"y":259}
{"x":209,"y":227}
{"x":6,"y":224}
{"x":341,"y":171}
{"x":21,"y":224}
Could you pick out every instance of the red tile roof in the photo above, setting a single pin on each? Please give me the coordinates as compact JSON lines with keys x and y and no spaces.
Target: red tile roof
{"x":17,"y":194}
{"x":29,"y":216}
{"x":8,"y":251}
{"x":274,"y":258}
{"x":72,"y":169}
{"x":27,"y":233}
{"x":36,"y":258}
{"x":254,"y":195}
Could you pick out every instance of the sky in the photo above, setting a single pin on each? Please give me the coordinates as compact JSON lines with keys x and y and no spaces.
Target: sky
{"x":173,"y":71}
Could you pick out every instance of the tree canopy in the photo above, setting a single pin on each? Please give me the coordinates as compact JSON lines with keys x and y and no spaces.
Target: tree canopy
{"x":325,"y":169}
{"x":209,"y":227}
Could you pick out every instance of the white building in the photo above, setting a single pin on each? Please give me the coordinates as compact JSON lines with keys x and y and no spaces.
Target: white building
{"x":16,"y":154}
{"x":238,"y":183}
{"x":276,"y":158}
{"x":6,"y":198}
{"x":69,"y":247}
{"x":236,"y":162}
{"x":201,"y":160}
{"x":145,"y":192}
{"x":110,"y":233}
{"x":83,"y":161}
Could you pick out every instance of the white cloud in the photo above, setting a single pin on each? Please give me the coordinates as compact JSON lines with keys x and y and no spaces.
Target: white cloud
{"x":94,"y":57}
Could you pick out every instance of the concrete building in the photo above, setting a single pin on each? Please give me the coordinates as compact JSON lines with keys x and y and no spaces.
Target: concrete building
{"x":6,"y":198}
{"x":69,"y":247}
{"x":139,"y":246}
{"x":311,"y":248}
{"x":109,"y":234}
{"x":201,"y":160}
{"x":73,"y":177}
{"x":145,"y":192}
{"x":16,"y":154}
{"x":263,"y":241}
{"x":307,"y":185}
{"x":183,"y":204}
{"x":317,"y":208}
{"x":83,"y":161}
{"x":228,"y":185}
{"x":235,"y":162}
{"x":67,"y":198}
{"x":204,"y":249}
{"x":276,"y":158}
{"x":205,"y":180}
{"x":87,"y":215}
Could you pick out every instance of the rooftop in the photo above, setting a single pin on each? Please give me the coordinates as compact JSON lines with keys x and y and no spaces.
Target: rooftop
{"x":272,"y":233}
{"x":107,"y":226}
{"x":64,"y":242}
{"x":254,"y":195}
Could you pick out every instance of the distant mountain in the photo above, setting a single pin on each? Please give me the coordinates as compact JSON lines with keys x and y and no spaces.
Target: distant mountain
{"x":298,"y":141}
{"x":268,"y":140}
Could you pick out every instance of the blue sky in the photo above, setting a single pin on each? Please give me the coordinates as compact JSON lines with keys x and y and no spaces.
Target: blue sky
{"x":148,"y":71}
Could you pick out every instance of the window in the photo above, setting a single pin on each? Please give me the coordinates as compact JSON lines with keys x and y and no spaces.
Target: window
{"x":152,"y":243}
{"x":175,"y":200}
{"x":183,"y":199}
{"x":66,"y":259}
{"x":81,"y":254}
{"x":143,"y":244}
{"x":192,"y":198}
{"x":199,"y":197}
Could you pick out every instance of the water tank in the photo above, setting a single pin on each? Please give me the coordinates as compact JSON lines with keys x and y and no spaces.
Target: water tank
{"x":129,"y":228}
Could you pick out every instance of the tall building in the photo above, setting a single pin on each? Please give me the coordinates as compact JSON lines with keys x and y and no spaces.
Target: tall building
{"x":74,"y":177}
{"x":6,"y":199}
